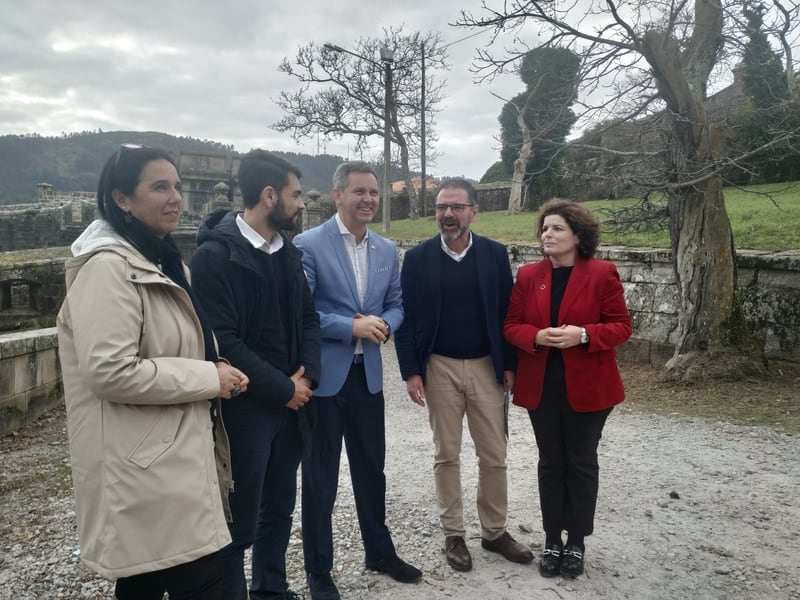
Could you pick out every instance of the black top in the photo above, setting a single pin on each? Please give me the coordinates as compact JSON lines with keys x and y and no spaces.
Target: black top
{"x":554,"y":371}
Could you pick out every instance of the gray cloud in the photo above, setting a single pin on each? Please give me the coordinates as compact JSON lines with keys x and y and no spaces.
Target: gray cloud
{"x":209,"y":70}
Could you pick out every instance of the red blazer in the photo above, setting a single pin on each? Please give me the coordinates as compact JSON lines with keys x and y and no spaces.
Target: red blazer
{"x":593,"y":299}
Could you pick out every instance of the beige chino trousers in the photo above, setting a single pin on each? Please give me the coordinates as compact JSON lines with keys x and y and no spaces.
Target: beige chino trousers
{"x":453,"y":388}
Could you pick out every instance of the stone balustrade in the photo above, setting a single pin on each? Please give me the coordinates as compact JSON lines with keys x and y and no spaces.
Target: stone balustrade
{"x":30,"y":376}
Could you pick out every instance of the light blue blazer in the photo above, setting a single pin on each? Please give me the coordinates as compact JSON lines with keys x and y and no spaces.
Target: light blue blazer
{"x":333,"y":285}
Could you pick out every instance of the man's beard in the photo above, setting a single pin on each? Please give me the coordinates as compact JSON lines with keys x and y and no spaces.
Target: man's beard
{"x":452,"y":236}
{"x":278,"y":219}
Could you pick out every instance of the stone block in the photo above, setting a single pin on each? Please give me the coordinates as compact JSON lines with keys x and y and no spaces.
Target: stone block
{"x":774,"y":279}
{"x":46,"y":339}
{"x":666,"y":300}
{"x":6,"y":377}
{"x":12,"y":418}
{"x":16,"y":344}
{"x":635,"y":350}
{"x":654,"y":326}
{"x":46,"y":367}
{"x":660,"y":275}
{"x":639,"y":297}
{"x":24,"y":373}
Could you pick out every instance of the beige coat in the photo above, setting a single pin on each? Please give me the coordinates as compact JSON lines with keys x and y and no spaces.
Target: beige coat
{"x":147,"y":491}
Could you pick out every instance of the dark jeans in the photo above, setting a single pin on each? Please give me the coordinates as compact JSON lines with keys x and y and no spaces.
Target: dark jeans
{"x":568,"y":469}
{"x":358,"y":416}
{"x":265,"y":454}
{"x":200,"y":579}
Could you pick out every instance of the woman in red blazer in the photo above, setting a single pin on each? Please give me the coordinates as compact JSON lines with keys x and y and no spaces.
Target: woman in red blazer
{"x":566,"y":316}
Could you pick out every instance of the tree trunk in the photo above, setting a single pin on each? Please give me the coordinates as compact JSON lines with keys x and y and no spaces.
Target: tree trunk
{"x":413,"y":201}
{"x":700,"y":232}
{"x":703,"y":259}
{"x":517,"y":198}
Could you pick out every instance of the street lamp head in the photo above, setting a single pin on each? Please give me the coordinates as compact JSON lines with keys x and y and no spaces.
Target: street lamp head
{"x":387,"y":55}
{"x":333,"y":47}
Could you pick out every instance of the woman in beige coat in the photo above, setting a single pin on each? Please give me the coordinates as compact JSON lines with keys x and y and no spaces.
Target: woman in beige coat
{"x":140,"y":371}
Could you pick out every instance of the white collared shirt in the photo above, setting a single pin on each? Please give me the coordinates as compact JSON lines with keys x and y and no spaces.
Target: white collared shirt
{"x":358,"y":257}
{"x":456,"y":256}
{"x":257,"y":240}
{"x":359,"y":261}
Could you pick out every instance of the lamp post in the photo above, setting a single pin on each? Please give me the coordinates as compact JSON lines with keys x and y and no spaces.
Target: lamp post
{"x":387,"y":58}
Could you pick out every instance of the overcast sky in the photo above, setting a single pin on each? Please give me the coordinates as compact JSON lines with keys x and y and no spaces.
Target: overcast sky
{"x":209,"y":70}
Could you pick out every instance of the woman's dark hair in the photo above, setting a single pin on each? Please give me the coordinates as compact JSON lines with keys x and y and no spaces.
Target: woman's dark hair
{"x":260,"y":169}
{"x":579,"y":219}
{"x":122,"y":171}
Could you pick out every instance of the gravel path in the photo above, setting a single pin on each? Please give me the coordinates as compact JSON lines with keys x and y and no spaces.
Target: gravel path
{"x":688,"y":508}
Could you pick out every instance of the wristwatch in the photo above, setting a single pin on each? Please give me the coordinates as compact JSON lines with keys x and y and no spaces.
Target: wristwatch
{"x":388,"y":330}
{"x":584,"y":336}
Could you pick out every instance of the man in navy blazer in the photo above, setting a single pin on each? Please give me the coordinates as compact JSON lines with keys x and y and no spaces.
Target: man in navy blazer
{"x":451,"y":351}
{"x":354,"y":278}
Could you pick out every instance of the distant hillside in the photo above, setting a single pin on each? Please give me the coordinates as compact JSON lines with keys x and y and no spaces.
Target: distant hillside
{"x":73,"y":162}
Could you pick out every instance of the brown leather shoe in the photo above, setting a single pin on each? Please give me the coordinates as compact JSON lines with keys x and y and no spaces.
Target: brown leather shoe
{"x":510,"y":548}
{"x":455,"y":549}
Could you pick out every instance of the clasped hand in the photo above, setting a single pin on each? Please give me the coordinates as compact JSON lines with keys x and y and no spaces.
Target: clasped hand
{"x":302,"y":389}
{"x":232,"y":381}
{"x":370,"y":327}
{"x":565,"y":336}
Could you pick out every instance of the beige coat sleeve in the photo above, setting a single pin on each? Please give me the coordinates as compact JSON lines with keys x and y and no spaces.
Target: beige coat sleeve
{"x":109,"y":314}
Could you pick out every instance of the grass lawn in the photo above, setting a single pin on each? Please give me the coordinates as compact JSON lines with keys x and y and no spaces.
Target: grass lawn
{"x":763,"y":217}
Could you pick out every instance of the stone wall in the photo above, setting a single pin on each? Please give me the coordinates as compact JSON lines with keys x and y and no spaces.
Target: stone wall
{"x":31,"y":292}
{"x":769,"y":286}
{"x":30,"y":377}
{"x":29,"y":226}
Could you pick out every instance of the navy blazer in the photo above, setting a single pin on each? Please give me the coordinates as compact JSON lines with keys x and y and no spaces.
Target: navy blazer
{"x":422,"y":303}
{"x":333,"y":285}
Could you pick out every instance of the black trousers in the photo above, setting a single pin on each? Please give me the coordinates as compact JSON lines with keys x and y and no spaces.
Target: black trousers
{"x":568,"y":469}
{"x":265,"y":454}
{"x":357,"y":416}
{"x":200,"y":579}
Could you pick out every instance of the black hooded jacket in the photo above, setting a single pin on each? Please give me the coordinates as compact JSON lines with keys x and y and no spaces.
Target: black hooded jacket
{"x":231,"y":289}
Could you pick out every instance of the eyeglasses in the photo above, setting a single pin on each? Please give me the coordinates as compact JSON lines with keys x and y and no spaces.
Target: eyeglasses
{"x":120,"y":150}
{"x":456,"y":208}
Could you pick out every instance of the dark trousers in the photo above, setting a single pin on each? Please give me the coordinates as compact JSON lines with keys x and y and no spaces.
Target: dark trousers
{"x":358,"y":416}
{"x":200,"y":579}
{"x":568,"y":469}
{"x":265,"y":453}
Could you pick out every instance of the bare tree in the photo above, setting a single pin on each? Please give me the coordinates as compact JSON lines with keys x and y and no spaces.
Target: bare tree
{"x":651,"y":62}
{"x":343,"y":94}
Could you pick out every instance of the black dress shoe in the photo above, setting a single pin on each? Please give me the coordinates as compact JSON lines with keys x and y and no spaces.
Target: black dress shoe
{"x":550,"y":563}
{"x":457,"y":554}
{"x":322,"y":587}
{"x":572,"y":561}
{"x":509,"y":548}
{"x":397,"y":569}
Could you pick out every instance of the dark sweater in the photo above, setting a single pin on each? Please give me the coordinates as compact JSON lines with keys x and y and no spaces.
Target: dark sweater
{"x":461,"y":330}
{"x":271,"y":338}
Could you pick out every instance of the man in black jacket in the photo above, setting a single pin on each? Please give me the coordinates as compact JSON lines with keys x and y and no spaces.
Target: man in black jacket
{"x":250,"y":283}
{"x":451,"y":352}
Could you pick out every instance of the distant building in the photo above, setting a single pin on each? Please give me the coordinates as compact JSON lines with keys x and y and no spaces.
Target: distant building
{"x":202,"y":174}
{"x":430,"y":184}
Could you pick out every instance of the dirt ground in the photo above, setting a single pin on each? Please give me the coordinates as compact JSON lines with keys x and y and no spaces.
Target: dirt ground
{"x":699,"y":499}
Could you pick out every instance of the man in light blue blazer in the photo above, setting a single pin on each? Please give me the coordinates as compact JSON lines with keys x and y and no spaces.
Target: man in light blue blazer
{"x":354,"y":277}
